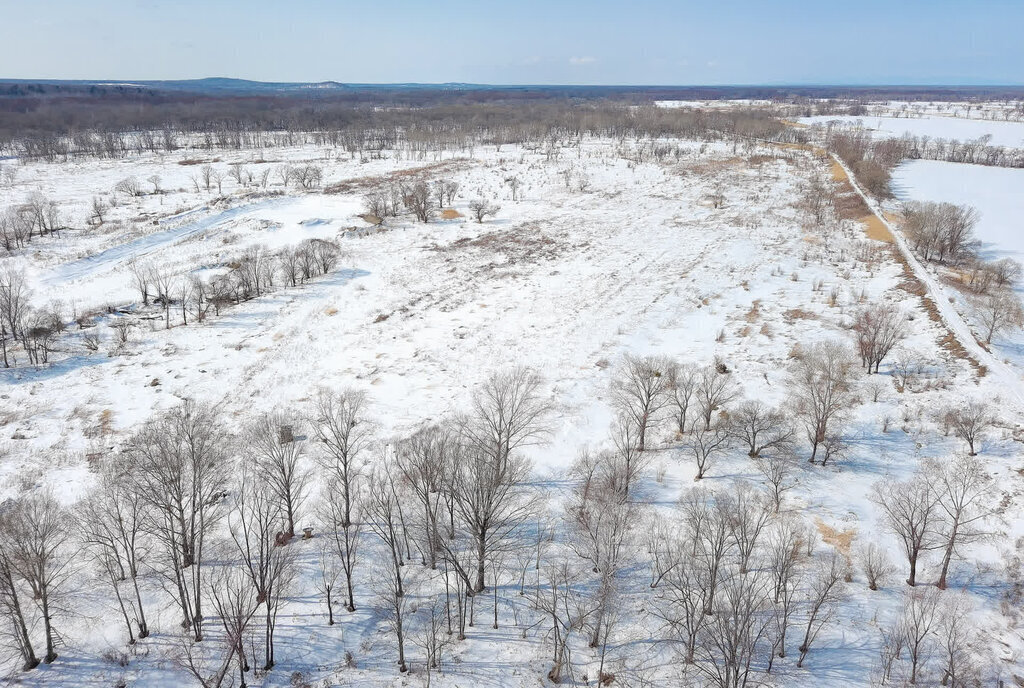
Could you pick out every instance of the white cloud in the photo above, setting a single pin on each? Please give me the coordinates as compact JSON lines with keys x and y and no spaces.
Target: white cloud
{"x":582,"y":60}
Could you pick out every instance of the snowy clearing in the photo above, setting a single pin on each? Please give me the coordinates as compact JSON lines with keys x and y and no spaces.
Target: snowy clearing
{"x":711,"y":257}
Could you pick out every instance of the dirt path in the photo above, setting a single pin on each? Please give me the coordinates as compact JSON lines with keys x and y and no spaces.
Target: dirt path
{"x":935,"y":292}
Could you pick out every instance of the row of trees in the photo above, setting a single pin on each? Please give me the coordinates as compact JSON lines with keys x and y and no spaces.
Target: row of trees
{"x":417,"y":197}
{"x":977,"y":151}
{"x":36,"y":331}
{"x":38,"y":216}
{"x":254,"y":273}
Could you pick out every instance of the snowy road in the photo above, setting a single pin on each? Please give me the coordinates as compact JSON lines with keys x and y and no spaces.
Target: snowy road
{"x":1008,"y":376}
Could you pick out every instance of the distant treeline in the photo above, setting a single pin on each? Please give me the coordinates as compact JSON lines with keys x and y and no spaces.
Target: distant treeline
{"x":60,"y":108}
{"x":115,"y":129}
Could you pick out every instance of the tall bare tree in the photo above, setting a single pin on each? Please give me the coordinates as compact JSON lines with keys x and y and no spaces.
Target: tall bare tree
{"x":38,"y":536}
{"x":759,"y":427}
{"x":255,"y":524}
{"x":113,"y":527}
{"x":878,"y":328}
{"x":179,"y":470}
{"x":713,"y":391}
{"x":277,"y":454}
{"x":821,"y":392}
{"x":911,"y":511}
{"x":964,"y":495}
{"x":641,"y":390}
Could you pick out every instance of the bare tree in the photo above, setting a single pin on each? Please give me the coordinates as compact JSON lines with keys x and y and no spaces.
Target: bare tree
{"x":748,"y":515}
{"x":514,"y":183}
{"x":38,"y":540}
{"x":878,"y":328}
{"x":786,"y":566}
{"x":277,"y":454}
{"x":481,"y":209}
{"x":735,"y":637}
{"x":641,"y":390}
{"x":759,"y":427}
{"x":341,"y":427}
{"x":564,"y":601}
{"x":143,"y":275}
{"x":957,"y":642}
{"x":777,"y":468}
{"x":825,"y":592}
{"x":964,"y":494}
{"x":284,"y":174}
{"x":919,"y":621}
{"x":682,"y":593}
{"x":423,"y":459}
{"x":683,"y":381}
{"x":431,"y":634}
{"x":601,"y":532}
{"x":876,"y":565}
{"x":255,"y":523}
{"x":329,"y":571}
{"x":385,"y":520}
{"x":970,"y":422}
{"x":821,"y":392}
{"x":706,"y":519}
{"x":706,"y":443}
{"x":416,"y":198}
{"x":98,"y":209}
{"x":112,"y":522}
{"x":128,"y":187}
{"x":178,"y":466}
{"x":344,"y":520}
{"x":713,"y":391}
{"x":206,"y":173}
{"x":389,"y":585}
{"x":998,"y":313}
{"x":911,"y":512}
{"x":234,"y":602}
{"x":11,"y":606}
{"x":491,"y":504}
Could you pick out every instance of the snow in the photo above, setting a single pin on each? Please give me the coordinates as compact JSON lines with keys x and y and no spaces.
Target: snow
{"x":416,"y":315}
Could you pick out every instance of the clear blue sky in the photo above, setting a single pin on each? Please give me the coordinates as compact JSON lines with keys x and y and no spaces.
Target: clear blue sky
{"x":519,"y":41}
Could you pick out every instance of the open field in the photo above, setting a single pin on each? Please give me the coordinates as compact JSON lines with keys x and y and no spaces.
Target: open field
{"x":710,"y":256}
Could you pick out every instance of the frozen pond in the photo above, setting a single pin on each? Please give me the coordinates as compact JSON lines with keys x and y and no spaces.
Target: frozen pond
{"x":997,"y":193}
{"x":1009,"y":134}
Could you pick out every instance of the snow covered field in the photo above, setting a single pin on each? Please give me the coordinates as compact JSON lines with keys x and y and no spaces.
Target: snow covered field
{"x":1010,"y":134}
{"x":996,"y":192}
{"x":596,"y":257}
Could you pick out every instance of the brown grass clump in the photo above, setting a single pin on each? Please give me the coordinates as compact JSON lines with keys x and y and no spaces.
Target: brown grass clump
{"x":876,"y":229}
{"x":840,"y":539}
{"x":450,"y":214}
{"x":794,"y":314}
{"x":754,"y":313}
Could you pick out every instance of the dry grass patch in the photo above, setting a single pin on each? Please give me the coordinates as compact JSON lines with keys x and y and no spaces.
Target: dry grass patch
{"x":754,"y":313}
{"x":842,"y":540}
{"x":876,"y":229}
{"x":426,"y":171}
{"x":450,"y":214}
{"x":794,"y":314}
